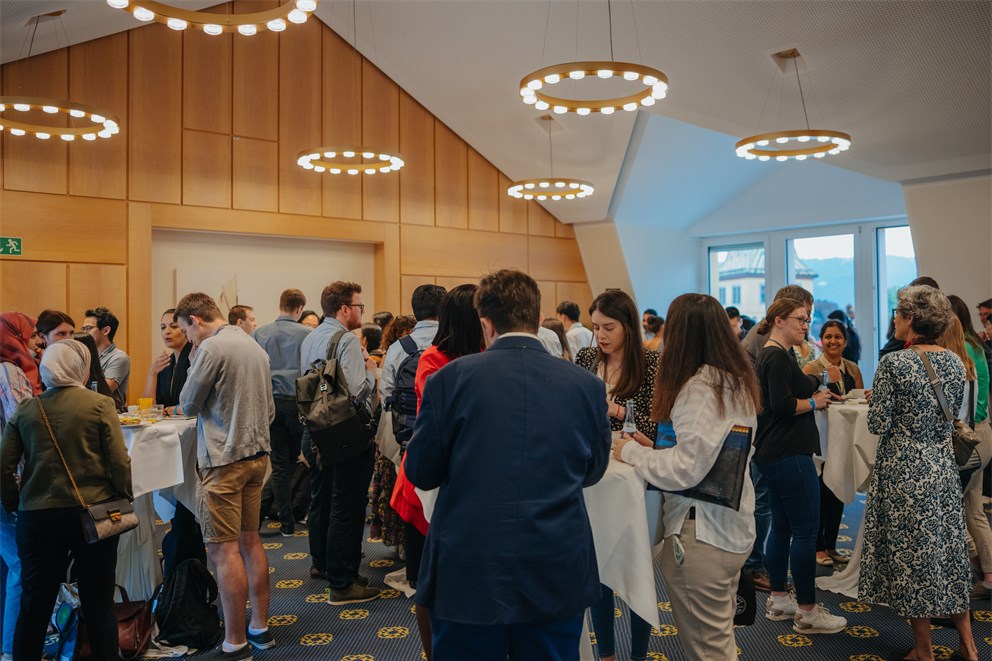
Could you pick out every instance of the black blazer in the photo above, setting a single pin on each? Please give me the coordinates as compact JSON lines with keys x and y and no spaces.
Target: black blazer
{"x":511,"y":436}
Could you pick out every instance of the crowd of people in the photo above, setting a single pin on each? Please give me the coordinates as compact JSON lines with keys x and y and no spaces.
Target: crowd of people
{"x":507,"y":418}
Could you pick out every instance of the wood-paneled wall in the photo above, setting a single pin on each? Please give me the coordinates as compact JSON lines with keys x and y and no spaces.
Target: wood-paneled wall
{"x":210,"y":131}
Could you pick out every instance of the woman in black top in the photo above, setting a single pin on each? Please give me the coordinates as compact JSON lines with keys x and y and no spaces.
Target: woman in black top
{"x":628,"y":370}
{"x":166,"y":379}
{"x":786,"y":441}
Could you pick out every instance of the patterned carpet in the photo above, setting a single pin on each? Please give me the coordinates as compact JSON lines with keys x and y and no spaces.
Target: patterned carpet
{"x":306,"y":627}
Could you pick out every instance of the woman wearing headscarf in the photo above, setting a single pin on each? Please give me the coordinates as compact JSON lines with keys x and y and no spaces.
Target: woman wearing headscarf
{"x":49,"y":524}
{"x":19,"y":380}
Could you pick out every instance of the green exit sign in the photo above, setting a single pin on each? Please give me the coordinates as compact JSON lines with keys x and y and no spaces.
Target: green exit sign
{"x":11,"y":245}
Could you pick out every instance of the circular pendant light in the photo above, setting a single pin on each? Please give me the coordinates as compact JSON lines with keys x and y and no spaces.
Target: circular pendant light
{"x":551,"y":188}
{"x":806,"y":143}
{"x":534,"y":85}
{"x":349,"y":160}
{"x":294,"y":11}
{"x":99,"y":122}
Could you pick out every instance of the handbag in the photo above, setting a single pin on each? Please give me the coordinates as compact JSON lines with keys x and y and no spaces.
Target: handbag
{"x":964,"y":440}
{"x":135,"y":621}
{"x":101,"y":520}
{"x":746,"y":602}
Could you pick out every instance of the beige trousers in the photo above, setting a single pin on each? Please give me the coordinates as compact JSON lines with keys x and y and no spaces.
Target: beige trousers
{"x":703,"y":591}
{"x":979,"y":531}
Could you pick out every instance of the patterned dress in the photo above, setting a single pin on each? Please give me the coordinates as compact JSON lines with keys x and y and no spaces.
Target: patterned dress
{"x":915,"y":556}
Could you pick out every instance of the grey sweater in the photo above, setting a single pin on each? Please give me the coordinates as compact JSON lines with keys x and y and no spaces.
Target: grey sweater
{"x":229,"y":388}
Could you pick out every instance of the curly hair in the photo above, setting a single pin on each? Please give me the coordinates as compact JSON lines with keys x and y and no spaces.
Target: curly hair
{"x":927,"y":309}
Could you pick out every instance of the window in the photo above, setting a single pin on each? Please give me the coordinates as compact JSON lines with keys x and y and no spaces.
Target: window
{"x":896,"y":261}
{"x":742,"y":268}
{"x":823,"y":266}
{"x":762,"y":293}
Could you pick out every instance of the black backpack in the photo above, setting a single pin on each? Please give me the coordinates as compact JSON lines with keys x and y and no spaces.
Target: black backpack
{"x":402,"y":402}
{"x":340,"y":428}
{"x":184,"y":607}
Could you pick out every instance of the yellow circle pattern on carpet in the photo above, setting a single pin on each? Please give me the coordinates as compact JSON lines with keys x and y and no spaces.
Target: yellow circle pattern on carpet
{"x":289,"y":583}
{"x":314,"y":639}
{"x":281,"y":620}
{"x":389,"y":594}
{"x":358,"y":657}
{"x":657,"y":656}
{"x":866,"y":657}
{"x":295,"y":556}
{"x":664,"y":630}
{"x":795,"y":640}
{"x":316,"y":598}
{"x":355,"y":614}
{"x":855,"y":607}
{"x":272,"y":545}
{"x":393,"y":632}
{"x":381,"y":563}
{"x":861,"y":632}
{"x":665,"y":606}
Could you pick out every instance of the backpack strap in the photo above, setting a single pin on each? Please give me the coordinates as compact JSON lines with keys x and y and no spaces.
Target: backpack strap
{"x":409,"y":345}
{"x":332,"y":346}
{"x":938,"y":386}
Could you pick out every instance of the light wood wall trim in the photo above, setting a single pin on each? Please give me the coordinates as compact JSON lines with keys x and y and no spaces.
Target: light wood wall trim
{"x":443,"y":251}
{"x":342,"y":121}
{"x":139,"y":300}
{"x":207,"y":169}
{"x":380,"y":132}
{"x":512,"y":212}
{"x":65,"y":228}
{"x":417,"y":176}
{"x":483,"y":192}
{"x":451,"y":177}
{"x":207,"y":81}
{"x":555,"y":259}
{"x":539,"y":221}
{"x":255,"y":80}
{"x":255,"y":174}
{"x":299,"y":118}
{"x":49,"y":285}
{"x":389,"y":281}
{"x":155,"y":96}
{"x":100,"y":285}
{"x":167,"y":216}
{"x":99,"y":169}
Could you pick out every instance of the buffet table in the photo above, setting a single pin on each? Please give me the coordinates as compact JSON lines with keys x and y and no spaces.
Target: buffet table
{"x":849,"y":454}
{"x":163,"y":469}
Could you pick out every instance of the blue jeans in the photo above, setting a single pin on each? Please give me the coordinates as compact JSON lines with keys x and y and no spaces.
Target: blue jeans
{"x":794,"y":491}
{"x":557,"y":640}
{"x":12,"y":581}
{"x":603,"y":618}
{"x":762,"y":520}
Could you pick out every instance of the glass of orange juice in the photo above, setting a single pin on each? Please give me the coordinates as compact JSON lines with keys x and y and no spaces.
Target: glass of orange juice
{"x":145,"y":403}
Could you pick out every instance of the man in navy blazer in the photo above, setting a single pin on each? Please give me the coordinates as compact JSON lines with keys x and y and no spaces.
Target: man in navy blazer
{"x":511,"y":436}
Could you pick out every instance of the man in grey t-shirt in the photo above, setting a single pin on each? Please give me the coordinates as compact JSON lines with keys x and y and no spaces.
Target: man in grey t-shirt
{"x":102,"y":326}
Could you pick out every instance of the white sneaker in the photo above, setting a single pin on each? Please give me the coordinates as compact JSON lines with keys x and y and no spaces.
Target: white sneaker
{"x":780,"y":608}
{"x":818,"y":620}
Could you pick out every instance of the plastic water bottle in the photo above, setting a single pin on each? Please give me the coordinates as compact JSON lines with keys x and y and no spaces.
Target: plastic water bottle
{"x":93,"y":386}
{"x":824,"y":380}
{"x":629,"y":424}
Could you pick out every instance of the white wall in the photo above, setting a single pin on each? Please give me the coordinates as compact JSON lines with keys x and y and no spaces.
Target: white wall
{"x":952,"y":235}
{"x":262,"y":266}
{"x":603,"y":257}
{"x":662,"y":264}
{"x":804,"y":195}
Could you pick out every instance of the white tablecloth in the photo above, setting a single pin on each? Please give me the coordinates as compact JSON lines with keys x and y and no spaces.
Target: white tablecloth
{"x":847,"y":447}
{"x":849,"y":452}
{"x":160,"y":464}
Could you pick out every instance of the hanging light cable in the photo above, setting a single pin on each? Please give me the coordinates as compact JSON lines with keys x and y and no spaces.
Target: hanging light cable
{"x":552,"y":187}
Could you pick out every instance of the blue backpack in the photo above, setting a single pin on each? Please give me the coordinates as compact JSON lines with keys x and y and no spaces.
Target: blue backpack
{"x":402,"y":402}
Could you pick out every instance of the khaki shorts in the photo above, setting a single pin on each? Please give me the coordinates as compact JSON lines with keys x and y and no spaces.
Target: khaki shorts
{"x":231,"y":499}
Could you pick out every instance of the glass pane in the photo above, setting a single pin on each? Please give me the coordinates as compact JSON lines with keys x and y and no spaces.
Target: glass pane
{"x":896,"y":268}
{"x":824,"y":266}
{"x":737,"y":278}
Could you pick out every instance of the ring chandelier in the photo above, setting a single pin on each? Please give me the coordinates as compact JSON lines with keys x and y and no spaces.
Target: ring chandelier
{"x":336,"y":160}
{"x":102,"y":124}
{"x":294,"y":11}
{"x":557,"y":188}
{"x":655,"y":87}
{"x":812,"y":142}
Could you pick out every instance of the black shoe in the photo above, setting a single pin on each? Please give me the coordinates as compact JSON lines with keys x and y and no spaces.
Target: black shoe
{"x":243,"y":654}
{"x":287,"y":530}
{"x":316,"y":573}
{"x":261,"y":641}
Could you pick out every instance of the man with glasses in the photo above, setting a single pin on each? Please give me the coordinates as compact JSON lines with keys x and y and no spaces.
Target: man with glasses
{"x":339,"y":491}
{"x":102,"y":326}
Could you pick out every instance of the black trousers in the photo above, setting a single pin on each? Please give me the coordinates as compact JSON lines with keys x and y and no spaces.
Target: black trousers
{"x":413,"y":550}
{"x":338,"y":502}
{"x":831,"y":512}
{"x":44,"y":540}
{"x":285,"y":434}
{"x":183,"y":541}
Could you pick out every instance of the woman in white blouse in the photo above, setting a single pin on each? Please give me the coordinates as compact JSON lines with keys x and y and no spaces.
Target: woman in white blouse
{"x":705,"y":385}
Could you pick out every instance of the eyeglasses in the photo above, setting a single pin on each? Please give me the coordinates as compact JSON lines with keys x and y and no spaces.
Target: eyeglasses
{"x":87,"y":329}
{"x":803,"y":321}
{"x":360,"y":306}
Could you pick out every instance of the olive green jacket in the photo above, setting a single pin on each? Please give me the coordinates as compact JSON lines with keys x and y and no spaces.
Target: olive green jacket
{"x":89,"y":433}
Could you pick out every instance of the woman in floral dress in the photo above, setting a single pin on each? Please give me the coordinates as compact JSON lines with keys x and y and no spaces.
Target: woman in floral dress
{"x":915,"y":556}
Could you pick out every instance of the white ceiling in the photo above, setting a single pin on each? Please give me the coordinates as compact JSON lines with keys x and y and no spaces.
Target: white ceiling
{"x":910,"y":81}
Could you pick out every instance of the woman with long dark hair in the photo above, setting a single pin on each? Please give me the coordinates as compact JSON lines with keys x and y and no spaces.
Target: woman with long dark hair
{"x":978,"y":523}
{"x":628,"y":371}
{"x":459,"y":333}
{"x":706,"y":387}
{"x":786,"y":440}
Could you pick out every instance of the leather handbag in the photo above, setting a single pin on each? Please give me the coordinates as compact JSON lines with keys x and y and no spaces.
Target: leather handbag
{"x":135,"y":621}
{"x":964,"y":440}
{"x":100,"y":520}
